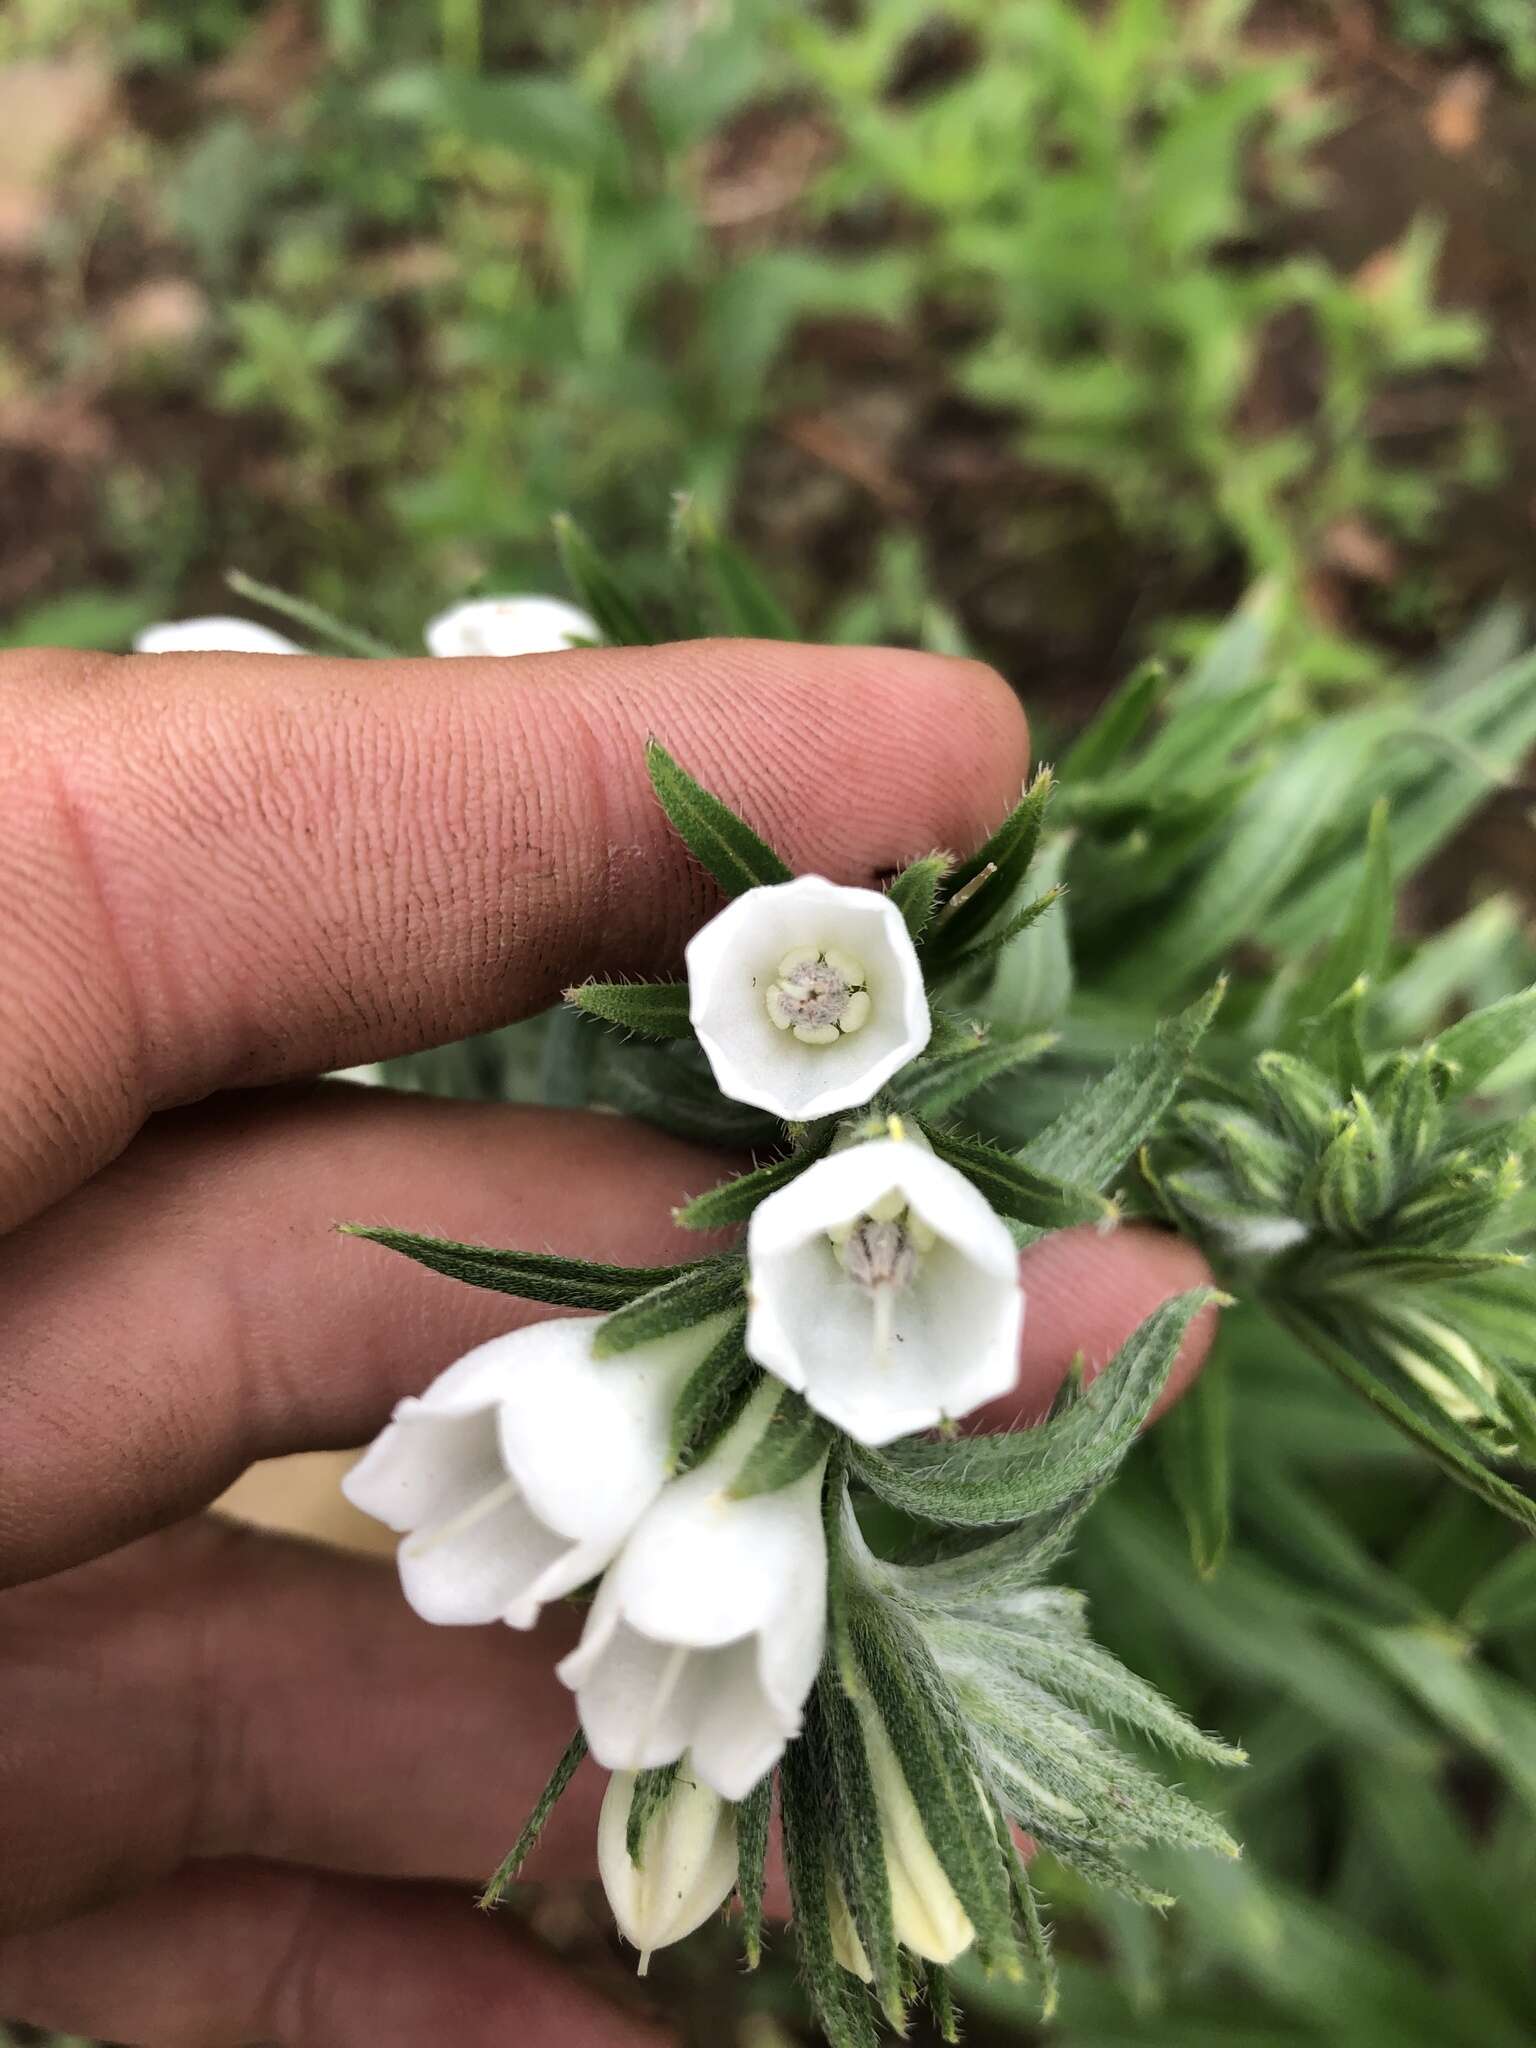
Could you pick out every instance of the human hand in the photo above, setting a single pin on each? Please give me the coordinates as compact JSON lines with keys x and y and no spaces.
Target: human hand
{"x":243,"y":1793}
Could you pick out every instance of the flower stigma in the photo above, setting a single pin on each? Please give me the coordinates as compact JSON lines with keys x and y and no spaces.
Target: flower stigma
{"x":821,"y":995}
{"x":881,"y":1250}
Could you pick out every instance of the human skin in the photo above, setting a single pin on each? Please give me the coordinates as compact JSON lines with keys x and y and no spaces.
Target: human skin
{"x":245,"y":1794}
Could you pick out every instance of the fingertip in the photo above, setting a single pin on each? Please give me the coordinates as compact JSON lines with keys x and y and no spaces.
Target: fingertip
{"x":1086,"y":1292}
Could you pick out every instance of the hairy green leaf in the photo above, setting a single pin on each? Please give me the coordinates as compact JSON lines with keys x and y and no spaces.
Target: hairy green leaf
{"x":654,"y":1009}
{"x":534,"y":1276}
{"x":713,"y":834}
{"x":688,"y":1296}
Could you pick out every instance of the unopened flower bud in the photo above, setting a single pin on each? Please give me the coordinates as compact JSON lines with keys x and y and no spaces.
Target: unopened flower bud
{"x":687,"y":1865}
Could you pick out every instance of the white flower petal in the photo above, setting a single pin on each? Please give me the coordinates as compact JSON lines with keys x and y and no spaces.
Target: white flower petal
{"x":509,"y":625}
{"x":482,"y":1564}
{"x":213,"y":636}
{"x":954,"y":1326}
{"x":734,"y":962}
{"x":424,"y":1467}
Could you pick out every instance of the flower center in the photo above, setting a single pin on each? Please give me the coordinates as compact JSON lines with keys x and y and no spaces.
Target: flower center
{"x":882,"y":1250}
{"x":819,"y":994}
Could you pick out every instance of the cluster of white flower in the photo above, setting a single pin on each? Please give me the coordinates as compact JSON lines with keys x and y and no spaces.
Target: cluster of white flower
{"x":881,"y":1286}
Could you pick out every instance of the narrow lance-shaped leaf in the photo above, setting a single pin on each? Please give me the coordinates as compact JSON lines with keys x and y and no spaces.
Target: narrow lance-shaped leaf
{"x":1480,"y":1044}
{"x":689,"y":1296}
{"x":654,"y":1009}
{"x":973,"y":904}
{"x":939,"y":1765}
{"x":753,"y":1815}
{"x":794,"y":1439}
{"x":990,"y":942}
{"x":858,"y":1843}
{"x":599,"y":589}
{"x":915,"y":891}
{"x":1360,"y":946}
{"x":713,"y":1395}
{"x":1093,"y":1139}
{"x":507,"y":1870}
{"x":1115,"y":728}
{"x":734,"y":1200}
{"x":845,"y":2015}
{"x":932,"y":1086}
{"x":712,"y":832}
{"x":1017,"y":1190}
{"x":742,"y":601}
{"x":533,"y":1276}
{"x":989,"y":1481}
{"x":1193,"y":1443}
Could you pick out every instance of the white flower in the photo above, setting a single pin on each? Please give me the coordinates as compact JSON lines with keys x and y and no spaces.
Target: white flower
{"x":706,"y":1632}
{"x":806,"y":996}
{"x":520,"y":1471}
{"x":687,"y":1867}
{"x":884,"y":1287}
{"x":509,"y":625}
{"x":213,"y":636}
{"x":927,"y":1916}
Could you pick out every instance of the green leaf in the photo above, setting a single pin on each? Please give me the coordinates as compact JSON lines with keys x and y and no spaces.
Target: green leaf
{"x":653,"y":1788}
{"x":670,"y":1087}
{"x":991,"y":942}
{"x":713,"y":834}
{"x":511,"y":1864}
{"x":734,"y":1200}
{"x":858,"y":1841}
{"x":1192,"y":1442}
{"x":599,"y":589}
{"x":1361,"y":943}
{"x":1017,"y":1190}
{"x":1092,"y":1139}
{"x":1114,"y":728}
{"x":753,"y":1815}
{"x":939,"y":1763}
{"x":990,"y":1481}
{"x":915,"y":891}
{"x":533,"y":1276}
{"x":743,"y":603}
{"x":1480,"y":1044}
{"x":713,"y":1395}
{"x":793,"y":1442}
{"x":845,"y":2014}
{"x":654,"y":1009}
{"x":929,"y":1087}
{"x":310,"y":618}
{"x":688,"y":1296}
{"x":971,"y":903}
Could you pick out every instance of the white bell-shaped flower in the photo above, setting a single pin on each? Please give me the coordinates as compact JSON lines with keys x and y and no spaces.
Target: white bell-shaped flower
{"x":926,"y":1915}
{"x":520,"y":1471}
{"x":886,"y":1289}
{"x":509,"y":625}
{"x":687,"y":1867}
{"x":213,"y":636}
{"x":707,"y":1630}
{"x":807,"y":996}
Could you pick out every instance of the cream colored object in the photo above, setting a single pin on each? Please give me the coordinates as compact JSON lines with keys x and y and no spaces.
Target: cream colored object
{"x":301,"y":1496}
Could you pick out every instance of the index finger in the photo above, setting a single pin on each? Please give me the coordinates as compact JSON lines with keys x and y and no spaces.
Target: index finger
{"x":217,"y":870}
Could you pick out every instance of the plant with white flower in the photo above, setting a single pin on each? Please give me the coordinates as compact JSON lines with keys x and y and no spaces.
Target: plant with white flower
{"x":701,"y":1449}
{"x":510,"y":625}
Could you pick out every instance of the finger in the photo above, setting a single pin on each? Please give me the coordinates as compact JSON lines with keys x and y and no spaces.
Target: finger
{"x":273,"y":1699}
{"x":220,"y":1955}
{"x":1085,"y":1293}
{"x":193,"y":1307}
{"x":221,"y":869}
